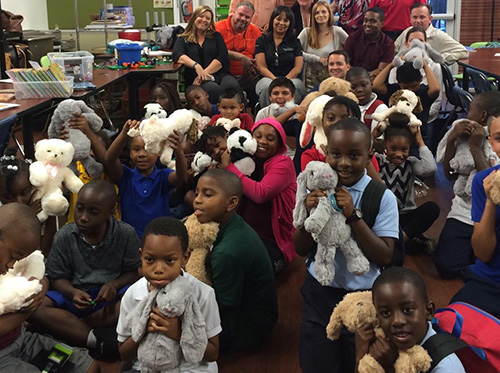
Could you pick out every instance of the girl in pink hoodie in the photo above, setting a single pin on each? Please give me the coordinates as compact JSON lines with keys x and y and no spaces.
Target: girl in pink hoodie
{"x":269,"y":193}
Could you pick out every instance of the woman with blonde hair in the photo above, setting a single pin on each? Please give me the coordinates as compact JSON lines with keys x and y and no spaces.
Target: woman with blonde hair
{"x":203,"y":53}
{"x":318,"y":41}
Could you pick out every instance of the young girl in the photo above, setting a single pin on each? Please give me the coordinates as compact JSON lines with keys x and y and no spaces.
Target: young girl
{"x":269,"y":193}
{"x":15,"y":187}
{"x":165,"y":95}
{"x":398,"y":171}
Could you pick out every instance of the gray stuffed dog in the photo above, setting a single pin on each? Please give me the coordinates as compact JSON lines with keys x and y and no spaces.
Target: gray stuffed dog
{"x":415,"y":52}
{"x":77,"y":138}
{"x":157,"y":352}
{"x":326,"y":224}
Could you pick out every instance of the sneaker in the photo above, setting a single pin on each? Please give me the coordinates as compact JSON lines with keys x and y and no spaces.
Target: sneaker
{"x":107,"y":345}
{"x":424,"y":244}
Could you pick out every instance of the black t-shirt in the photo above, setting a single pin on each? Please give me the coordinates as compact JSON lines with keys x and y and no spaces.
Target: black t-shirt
{"x":279,"y":63}
{"x":423,"y":93}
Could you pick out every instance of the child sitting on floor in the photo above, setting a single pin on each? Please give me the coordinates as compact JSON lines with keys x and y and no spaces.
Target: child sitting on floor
{"x":163,"y":255}
{"x":404,"y":313}
{"x":168,"y":97}
{"x":398,"y":171}
{"x":348,"y":153}
{"x":242,"y":275}
{"x":368,"y":102}
{"x":197,"y":99}
{"x":91,"y":264}
{"x":20,"y":236}
{"x":454,"y":251}
{"x":231,"y":106}
{"x":144,"y":189}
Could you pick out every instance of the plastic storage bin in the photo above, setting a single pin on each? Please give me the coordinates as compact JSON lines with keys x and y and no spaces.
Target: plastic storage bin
{"x":75,"y":64}
{"x":43,"y":89}
{"x":129,"y":53}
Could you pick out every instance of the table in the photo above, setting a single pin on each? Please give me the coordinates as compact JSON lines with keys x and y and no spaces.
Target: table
{"x":484,"y":60}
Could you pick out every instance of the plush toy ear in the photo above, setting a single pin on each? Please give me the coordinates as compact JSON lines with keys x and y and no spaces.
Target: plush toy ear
{"x":395,"y":97}
{"x":193,"y":335}
{"x":433,"y":54}
{"x":418,"y":108}
{"x":300,"y":212}
{"x":192,"y":134}
{"x":306,"y":133}
{"x":137,"y":320}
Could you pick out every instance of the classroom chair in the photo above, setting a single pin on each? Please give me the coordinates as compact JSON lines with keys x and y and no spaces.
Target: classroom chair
{"x":464,"y":97}
{"x":479,"y":80}
{"x":6,"y":131}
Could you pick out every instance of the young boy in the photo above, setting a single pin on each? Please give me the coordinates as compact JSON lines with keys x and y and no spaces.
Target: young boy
{"x":197,"y":99}
{"x":404,"y":313}
{"x":163,"y":255}
{"x":482,"y":280}
{"x":19,"y":237}
{"x":454,"y":251}
{"x":368,"y":102}
{"x":231,"y":106}
{"x":91,"y":264}
{"x":348,"y":153}
{"x":242,"y":274}
{"x":145,"y":189}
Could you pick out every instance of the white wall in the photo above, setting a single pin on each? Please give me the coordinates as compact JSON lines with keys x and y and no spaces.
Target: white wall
{"x":33,"y":11}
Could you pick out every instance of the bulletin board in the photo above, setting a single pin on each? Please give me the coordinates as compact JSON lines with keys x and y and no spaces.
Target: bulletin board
{"x":64,"y":15}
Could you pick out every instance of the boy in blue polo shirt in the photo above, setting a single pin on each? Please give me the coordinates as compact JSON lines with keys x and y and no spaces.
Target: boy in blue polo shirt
{"x":348,"y":153}
{"x":144,"y":189}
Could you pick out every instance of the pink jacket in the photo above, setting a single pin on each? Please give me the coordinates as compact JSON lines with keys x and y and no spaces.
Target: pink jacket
{"x":279,"y":185}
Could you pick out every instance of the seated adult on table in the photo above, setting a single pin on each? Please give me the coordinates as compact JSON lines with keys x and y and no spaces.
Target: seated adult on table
{"x":240,"y":37}
{"x":203,"y":53}
{"x":369,"y":47}
{"x":279,"y":53}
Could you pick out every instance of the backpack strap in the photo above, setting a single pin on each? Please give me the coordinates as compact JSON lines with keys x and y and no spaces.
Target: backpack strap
{"x":441,"y":345}
{"x":370,"y":201}
{"x":371,"y":109}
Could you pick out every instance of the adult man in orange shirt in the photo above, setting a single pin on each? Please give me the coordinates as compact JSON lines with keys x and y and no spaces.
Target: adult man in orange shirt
{"x":240,"y":37}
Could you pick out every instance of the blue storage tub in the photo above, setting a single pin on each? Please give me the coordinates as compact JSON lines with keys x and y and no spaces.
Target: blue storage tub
{"x":128,"y":53}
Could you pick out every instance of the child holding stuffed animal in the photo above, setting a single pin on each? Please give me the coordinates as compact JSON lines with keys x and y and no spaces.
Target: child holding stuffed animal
{"x":20,"y":232}
{"x":404,"y":313}
{"x":144,"y":189}
{"x":167,"y":96}
{"x":398,"y":171}
{"x":467,"y":139}
{"x":231,"y":107}
{"x":91,"y":264}
{"x":163,"y":254}
{"x":269,"y":192}
{"x":348,"y":153}
{"x":482,"y":279}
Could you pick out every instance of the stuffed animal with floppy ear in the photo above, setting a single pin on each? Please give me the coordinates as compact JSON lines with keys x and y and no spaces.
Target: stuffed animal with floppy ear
{"x":326,"y":223}
{"x":313,"y":124}
{"x":228,"y":124}
{"x":50,"y":173}
{"x":156,"y":351}
{"x":357,"y":309}
{"x":201,"y":239}
{"x":15,"y":286}
{"x":416,"y":52}
{"x":154,"y":109}
{"x":81,"y":143}
{"x":242,"y":146}
{"x":201,"y":162}
{"x":155,"y":132}
{"x":402,"y":101}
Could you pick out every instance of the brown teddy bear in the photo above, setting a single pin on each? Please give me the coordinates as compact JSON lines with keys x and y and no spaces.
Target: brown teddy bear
{"x":340,"y":86}
{"x":357,"y":309}
{"x":495,"y":189}
{"x":201,"y":239}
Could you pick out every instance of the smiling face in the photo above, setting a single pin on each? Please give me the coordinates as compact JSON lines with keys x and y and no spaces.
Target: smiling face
{"x":402,"y":313}
{"x":162,"y":259}
{"x":268,"y":141}
{"x":361,"y":86}
{"x":241,"y":18}
{"x":372,"y":25}
{"x":281,"y":24}
{"x":143,"y":160}
{"x":322,"y":15}
{"x":397,"y":149}
{"x":202,"y":23}
{"x":337,"y":67}
{"x":281,"y":95}
{"x":230,"y":108}
{"x":212,"y":203}
{"x":420,"y":17}
{"x":494,"y":137}
{"x":348,"y":154}
{"x":216,"y":146}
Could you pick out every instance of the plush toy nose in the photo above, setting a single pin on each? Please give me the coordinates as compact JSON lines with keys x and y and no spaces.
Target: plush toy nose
{"x":55,"y":155}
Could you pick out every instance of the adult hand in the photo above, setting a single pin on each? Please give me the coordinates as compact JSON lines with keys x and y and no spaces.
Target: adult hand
{"x":477,"y":136}
{"x":488,"y":184}
{"x":312,"y":199}
{"x":197,"y":81}
{"x":107,"y":293}
{"x":382,"y":351}
{"x":247,"y":62}
{"x":323,"y":60}
{"x":363,"y":336}
{"x":81,"y":299}
{"x":202,"y":74}
{"x":158,"y":323}
{"x":344,"y":201}
{"x":78,"y":121}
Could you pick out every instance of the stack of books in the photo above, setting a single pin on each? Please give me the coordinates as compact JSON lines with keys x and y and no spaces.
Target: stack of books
{"x":42,"y":82}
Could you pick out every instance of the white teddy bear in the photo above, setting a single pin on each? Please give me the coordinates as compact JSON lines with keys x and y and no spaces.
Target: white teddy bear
{"x":15,"y":286}
{"x":154,"y":109}
{"x":314,"y":123}
{"x":50,"y":173}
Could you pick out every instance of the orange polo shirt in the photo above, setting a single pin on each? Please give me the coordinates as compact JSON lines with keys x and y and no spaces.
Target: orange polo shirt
{"x":243,"y":43}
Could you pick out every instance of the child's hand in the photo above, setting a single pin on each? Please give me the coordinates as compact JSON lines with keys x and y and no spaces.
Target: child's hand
{"x":64,"y":133}
{"x":37,"y":298}
{"x":488,"y":184}
{"x":129,"y":124}
{"x":418,"y":137}
{"x":81,"y":299}
{"x":312,"y":199}
{"x":78,"y":121}
{"x":300,"y":110}
{"x":364,"y":336}
{"x":344,"y":201}
{"x":176,"y":144}
{"x":382,"y":351}
{"x":225,"y":159}
{"x":171,"y":327}
{"x":477,"y":135}
{"x":462,"y":128}
{"x":35,"y":204}
{"x":107,"y":293}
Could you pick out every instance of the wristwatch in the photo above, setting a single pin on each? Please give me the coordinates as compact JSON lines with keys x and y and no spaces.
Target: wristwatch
{"x":356,"y":215}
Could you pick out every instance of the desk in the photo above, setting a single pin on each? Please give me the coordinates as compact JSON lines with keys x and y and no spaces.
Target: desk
{"x":484,"y":60}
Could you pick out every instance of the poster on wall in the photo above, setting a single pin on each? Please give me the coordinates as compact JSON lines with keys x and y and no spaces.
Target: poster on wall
{"x":162,"y":3}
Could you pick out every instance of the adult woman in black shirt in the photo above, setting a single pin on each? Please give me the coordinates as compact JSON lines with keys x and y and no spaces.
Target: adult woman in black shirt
{"x":203,"y":53}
